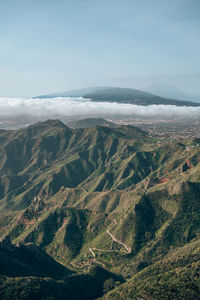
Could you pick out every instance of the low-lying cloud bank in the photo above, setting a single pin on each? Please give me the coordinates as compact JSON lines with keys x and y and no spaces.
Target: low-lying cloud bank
{"x":72,"y":107}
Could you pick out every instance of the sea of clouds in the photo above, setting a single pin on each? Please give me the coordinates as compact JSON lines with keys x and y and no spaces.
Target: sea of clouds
{"x":72,"y":107}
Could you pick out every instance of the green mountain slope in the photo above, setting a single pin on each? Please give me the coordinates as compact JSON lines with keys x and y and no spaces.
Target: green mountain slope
{"x":28,"y":272}
{"x":106,"y":197}
{"x":174,"y":277}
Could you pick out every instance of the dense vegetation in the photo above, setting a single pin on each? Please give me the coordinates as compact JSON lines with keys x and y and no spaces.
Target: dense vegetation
{"x":82,"y":206}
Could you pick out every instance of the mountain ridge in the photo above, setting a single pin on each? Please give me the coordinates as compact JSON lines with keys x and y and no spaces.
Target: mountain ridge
{"x":112,"y":198}
{"x":123,"y":95}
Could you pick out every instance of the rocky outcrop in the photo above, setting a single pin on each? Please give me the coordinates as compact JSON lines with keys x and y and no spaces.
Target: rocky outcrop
{"x":186,"y":166}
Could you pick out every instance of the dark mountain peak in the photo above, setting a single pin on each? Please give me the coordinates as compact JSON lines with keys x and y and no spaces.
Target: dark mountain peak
{"x":53,"y":123}
{"x":46,"y":127}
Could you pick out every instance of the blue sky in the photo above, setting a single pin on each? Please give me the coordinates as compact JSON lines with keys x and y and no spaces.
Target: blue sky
{"x":48,"y":46}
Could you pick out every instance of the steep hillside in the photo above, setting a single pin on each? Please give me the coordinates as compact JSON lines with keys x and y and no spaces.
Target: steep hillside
{"x":47,"y":156}
{"x":27,"y":272}
{"x":111,"y":198}
{"x":174,"y":277}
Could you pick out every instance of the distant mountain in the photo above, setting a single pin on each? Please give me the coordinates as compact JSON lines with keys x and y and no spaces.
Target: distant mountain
{"x":73,"y":93}
{"x":132,"y":96}
{"x":121,"y":95}
{"x":166,"y":90}
{"x":89,"y":122}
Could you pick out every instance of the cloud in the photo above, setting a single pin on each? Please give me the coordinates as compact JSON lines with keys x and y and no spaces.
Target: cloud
{"x":73,"y":107}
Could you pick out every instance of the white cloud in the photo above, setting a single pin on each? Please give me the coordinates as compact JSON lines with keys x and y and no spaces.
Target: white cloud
{"x":71,"y":107}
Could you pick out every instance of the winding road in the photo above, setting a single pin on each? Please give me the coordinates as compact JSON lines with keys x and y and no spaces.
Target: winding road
{"x":128,"y":249}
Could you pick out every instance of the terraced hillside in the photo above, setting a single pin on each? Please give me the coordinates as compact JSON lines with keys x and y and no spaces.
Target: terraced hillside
{"x":111,"y":198}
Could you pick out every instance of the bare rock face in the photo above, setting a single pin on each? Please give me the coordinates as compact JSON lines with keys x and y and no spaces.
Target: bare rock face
{"x":158,"y":180}
{"x":187,"y":165}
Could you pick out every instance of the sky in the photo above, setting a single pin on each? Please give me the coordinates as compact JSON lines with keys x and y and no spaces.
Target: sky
{"x":53,"y":46}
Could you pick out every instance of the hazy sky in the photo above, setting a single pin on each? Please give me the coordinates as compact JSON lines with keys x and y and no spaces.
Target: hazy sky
{"x":49,"y":45}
